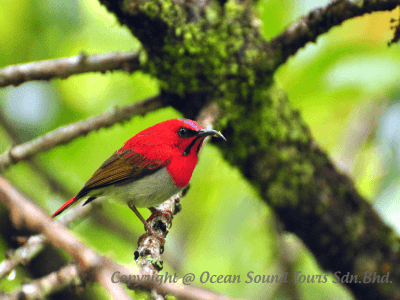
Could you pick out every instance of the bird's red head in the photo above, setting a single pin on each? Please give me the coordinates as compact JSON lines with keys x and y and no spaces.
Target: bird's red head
{"x":174,"y":143}
{"x":184,"y":136}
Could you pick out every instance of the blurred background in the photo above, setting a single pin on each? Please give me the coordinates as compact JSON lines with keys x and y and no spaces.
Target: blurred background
{"x":345,"y":86}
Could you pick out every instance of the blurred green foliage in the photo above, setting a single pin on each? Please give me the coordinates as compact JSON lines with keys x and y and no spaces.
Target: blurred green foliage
{"x":224,"y":227}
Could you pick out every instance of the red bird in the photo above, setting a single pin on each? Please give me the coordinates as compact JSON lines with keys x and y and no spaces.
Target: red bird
{"x":152,"y":166}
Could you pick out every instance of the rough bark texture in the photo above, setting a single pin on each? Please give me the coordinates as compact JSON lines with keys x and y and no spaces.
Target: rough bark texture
{"x":212,"y":51}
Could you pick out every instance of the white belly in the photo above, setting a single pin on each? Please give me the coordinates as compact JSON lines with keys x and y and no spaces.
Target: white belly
{"x":146,"y":192}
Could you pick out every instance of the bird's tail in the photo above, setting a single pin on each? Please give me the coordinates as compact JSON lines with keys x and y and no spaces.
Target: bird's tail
{"x":64,"y":207}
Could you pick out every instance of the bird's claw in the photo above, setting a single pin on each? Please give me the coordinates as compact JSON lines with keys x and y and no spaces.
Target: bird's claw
{"x":155,"y":213}
{"x":151,"y":233}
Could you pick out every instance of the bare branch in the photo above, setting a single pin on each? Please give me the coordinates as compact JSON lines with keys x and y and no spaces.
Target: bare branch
{"x":319,"y":21}
{"x":65,"y":67}
{"x":47,"y":285}
{"x":67,"y":133}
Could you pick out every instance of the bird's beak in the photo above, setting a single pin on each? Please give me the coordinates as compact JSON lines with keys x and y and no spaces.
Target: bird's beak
{"x":205,"y":132}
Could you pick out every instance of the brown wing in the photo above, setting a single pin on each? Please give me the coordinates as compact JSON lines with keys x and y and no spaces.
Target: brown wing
{"x":120,"y":168}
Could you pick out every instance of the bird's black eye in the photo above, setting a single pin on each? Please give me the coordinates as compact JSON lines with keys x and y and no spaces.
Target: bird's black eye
{"x":183,"y":132}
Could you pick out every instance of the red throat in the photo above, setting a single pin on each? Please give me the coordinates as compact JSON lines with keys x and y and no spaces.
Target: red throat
{"x":181,"y":168}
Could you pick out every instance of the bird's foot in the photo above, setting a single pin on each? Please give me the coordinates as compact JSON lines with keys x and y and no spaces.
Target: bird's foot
{"x":154,"y":234}
{"x":155,"y":213}
{"x":149,"y":230}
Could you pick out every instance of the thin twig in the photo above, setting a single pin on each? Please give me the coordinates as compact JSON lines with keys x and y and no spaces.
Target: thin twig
{"x":54,"y":282}
{"x":65,"y":67}
{"x":67,"y":133}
